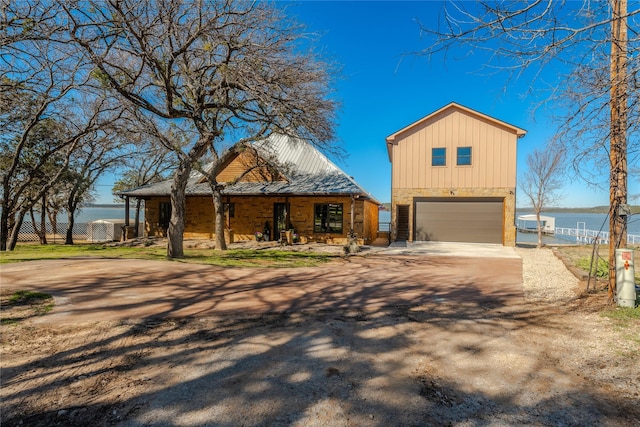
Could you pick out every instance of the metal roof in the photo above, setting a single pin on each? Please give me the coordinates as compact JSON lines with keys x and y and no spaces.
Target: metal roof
{"x":297,"y":155}
{"x":309,"y":172}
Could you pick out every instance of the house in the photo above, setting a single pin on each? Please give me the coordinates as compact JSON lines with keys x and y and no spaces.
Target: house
{"x":281,"y":184}
{"x":454,"y":178}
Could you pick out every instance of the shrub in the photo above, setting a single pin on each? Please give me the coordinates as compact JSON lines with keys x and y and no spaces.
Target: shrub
{"x":599,"y":269}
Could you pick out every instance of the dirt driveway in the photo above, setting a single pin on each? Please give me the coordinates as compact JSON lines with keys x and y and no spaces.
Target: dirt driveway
{"x":113,"y":289}
{"x":368,"y":341}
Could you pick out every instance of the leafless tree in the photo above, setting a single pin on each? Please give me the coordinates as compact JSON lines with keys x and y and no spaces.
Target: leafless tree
{"x":46,"y":111}
{"x":584,"y":47}
{"x":148,"y":159}
{"x":542,"y":180}
{"x":97,"y":153}
{"x":226,"y":73}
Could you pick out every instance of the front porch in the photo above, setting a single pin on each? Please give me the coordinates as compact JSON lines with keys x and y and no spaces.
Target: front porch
{"x":312,"y":219}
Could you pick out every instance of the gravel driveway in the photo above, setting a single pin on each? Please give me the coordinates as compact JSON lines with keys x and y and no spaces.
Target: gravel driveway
{"x":120,"y":289}
{"x":541,"y":358}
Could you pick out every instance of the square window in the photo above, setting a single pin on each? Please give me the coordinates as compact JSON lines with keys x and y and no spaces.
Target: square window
{"x":328,"y":218}
{"x":439,"y":156}
{"x":464,"y":156}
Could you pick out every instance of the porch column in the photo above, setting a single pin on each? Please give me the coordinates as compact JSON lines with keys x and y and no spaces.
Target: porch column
{"x":353,"y":203}
{"x":287,"y":218}
{"x":126,"y":211}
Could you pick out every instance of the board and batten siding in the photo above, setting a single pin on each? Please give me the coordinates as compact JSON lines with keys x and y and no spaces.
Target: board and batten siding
{"x":493,"y":154}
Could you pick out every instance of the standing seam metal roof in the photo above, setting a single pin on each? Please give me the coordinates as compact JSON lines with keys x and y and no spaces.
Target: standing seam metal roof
{"x":311,"y":173}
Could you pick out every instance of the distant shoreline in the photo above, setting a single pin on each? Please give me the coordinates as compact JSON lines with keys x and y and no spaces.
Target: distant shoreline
{"x":595,"y":209}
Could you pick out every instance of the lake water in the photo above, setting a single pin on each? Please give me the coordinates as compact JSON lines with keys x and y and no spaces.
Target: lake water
{"x":592,"y":221}
{"x":89,"y":214}
{"x":568,"y":220}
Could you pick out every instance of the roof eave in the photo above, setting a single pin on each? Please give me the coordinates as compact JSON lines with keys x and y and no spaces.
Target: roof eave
{"x":392,"y":138}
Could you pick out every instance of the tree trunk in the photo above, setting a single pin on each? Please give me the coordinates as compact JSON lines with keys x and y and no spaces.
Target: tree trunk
{"x":221,"y":244}
{"x":43,"y":220}
{"x":53,"y":219}
{"x":4,"y":230}
{"x":71,"y":215}
{"x":618,"y":138}
{"x":4,"y":224}
{"x":39,"y":230}
{"x":15,"y":230}
{"x":175,"y":244}
{"x":539,"y":229}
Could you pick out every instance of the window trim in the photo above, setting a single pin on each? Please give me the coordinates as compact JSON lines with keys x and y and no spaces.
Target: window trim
{"x":464,"y":157}
{"x":317,"y":226}
{"x":164,"y":209}
{"x":434,"y":156}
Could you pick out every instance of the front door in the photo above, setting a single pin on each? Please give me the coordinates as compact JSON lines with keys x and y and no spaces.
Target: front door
{"x":402,"y":221}
{"x":279,"y":219}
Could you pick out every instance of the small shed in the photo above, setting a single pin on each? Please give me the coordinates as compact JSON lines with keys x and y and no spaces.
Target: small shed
{"x":106,"y":230}
{"x":529,"y":224}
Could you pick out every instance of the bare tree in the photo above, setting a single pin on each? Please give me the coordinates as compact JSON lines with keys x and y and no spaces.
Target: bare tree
{"x":98,"y":153}
{"x":586,"y":46}
{"x":146,"y":162}
{"x":542,"y":180}
{"x":40,"y":122}
{"x":225,"y":72}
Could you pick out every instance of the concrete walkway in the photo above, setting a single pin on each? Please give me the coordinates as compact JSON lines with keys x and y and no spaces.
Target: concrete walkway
{"x":108,"y":289}
{"x":453,"y":249}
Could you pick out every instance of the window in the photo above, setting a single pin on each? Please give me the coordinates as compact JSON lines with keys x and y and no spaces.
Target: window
{"x":464,"y":156}
{"x":328,"y":218}
{"x":164,"y":214}
{"x":439,"y":156}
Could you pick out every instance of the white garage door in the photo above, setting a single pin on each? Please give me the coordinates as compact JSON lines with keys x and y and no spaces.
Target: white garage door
{"x":461,"y":220}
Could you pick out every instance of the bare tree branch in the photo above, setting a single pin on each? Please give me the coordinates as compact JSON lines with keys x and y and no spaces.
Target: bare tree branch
{"x":220,"y":71}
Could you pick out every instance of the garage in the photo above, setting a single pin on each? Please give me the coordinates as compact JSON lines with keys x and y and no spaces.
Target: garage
{"x":475,"y":220}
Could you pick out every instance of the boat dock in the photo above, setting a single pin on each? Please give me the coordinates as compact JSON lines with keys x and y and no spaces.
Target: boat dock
{"x":528,"y":224}
{"x":584,"y":236}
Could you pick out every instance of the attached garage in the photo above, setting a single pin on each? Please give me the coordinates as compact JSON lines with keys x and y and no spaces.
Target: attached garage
{"x":476,"y":220}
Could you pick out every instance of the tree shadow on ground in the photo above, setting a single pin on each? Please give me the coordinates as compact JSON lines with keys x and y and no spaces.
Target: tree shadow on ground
{"x":412,"y":349}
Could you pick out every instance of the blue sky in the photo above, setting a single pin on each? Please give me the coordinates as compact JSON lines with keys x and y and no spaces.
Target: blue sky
{"x":382,"y":89}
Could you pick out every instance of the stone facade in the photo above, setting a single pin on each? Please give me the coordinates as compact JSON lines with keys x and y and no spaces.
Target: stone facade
{"x":406,"y":196}
{"x":251,"y":213}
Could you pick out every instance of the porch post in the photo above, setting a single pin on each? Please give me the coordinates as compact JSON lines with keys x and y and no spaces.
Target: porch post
{"x":126,"y":211}
{"x":287,"y":218}
{"x":353,"y":203}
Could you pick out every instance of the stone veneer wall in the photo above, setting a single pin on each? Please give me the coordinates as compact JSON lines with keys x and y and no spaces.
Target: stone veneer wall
{"x":251,"y":213}
{"x":371,"y":221}
{"x":405,"y":196}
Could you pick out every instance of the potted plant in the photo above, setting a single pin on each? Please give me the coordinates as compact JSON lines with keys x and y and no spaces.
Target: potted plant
{"x":259,"y":236}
